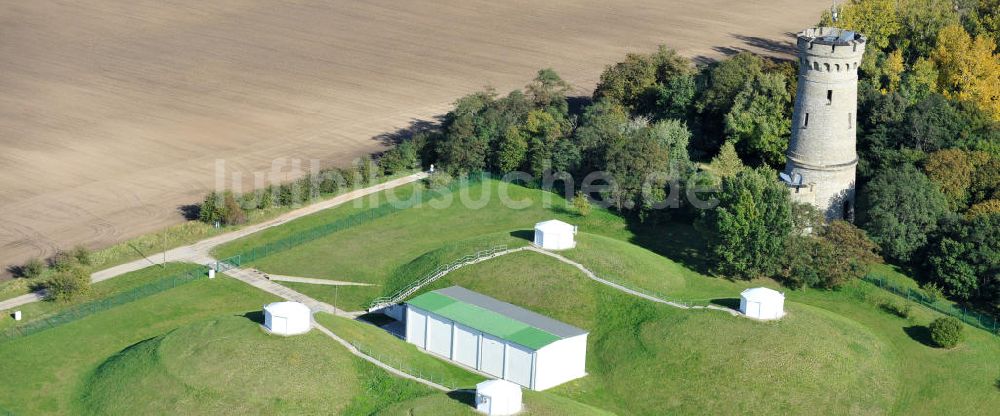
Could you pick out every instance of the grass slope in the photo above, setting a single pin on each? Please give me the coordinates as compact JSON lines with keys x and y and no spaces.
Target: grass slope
{"x":44,"y":373}
{"x":696,"y":362}
{"x":99,"y":290}
{"x":231,"y":365}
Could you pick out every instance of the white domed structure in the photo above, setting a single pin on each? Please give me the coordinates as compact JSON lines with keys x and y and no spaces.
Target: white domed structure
{"x":498,"y":397}
{"x":762,"y":303}
{"x":287,"y":318}
{"x":554,"y":235}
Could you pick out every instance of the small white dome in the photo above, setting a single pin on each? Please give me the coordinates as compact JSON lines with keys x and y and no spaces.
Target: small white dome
{"x":287,"y":318}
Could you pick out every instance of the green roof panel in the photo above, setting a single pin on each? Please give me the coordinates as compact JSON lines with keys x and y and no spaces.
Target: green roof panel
{"x":484,"y":320}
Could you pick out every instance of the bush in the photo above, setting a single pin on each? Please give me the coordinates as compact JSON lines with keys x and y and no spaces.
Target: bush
{"x":62,"y":261}
{"x":438,"y":180}
{"x":933,"y":292}
{"x":582,"y":204}
{"x":32,"y":269}
{"x":68,"y":285}
{"x":81,"y":255}
{"x":946,"y":332}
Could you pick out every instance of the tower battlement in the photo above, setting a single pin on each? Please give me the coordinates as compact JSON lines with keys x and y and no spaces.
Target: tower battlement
{"x":830,"y":50}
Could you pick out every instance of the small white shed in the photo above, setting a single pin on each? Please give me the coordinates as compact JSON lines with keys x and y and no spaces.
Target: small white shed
{"x":554,"y":235}
{"x":287,"y":318}
{"x":498,"y":397}
{"x":762,"y":303}
{"x":496,"y":338}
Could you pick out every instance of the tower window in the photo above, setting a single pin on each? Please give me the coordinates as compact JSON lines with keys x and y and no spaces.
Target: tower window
{"x":829,"y":97}
{"x":850,"y":120}
{"x":805,"y":121}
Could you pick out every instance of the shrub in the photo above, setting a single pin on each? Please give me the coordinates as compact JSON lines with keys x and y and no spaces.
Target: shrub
{"x":81,"y":255}
{"x":437,"y":180}
{"x":62,"y":261}
{"x":68,"y":284}
{"x":33,"y":268}
{"x":946,"y":332}
{"x":581,"y":204}
{"x":933,"y":292}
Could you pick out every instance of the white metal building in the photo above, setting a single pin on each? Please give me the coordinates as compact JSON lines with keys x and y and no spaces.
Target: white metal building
{"x":496,"y":338}
{"x":287,"y":318}
{"x":498,"y":397}
{"x":762,"y":303}
{"x":555,"y":235}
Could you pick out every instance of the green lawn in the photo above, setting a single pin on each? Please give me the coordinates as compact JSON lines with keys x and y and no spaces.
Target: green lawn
{"x":99,"y":290}
{"x":46,"y":373}
{"x":375,"y":251}
{"x":230,"y":365}
{"x":696,"y":362}
{"x":390,"y":350}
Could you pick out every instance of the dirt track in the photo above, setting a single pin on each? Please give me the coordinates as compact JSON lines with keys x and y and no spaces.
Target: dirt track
{"x":113,"y":113}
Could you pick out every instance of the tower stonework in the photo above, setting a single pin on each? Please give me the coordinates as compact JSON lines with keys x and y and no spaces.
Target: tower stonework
{"x":822,"y":154}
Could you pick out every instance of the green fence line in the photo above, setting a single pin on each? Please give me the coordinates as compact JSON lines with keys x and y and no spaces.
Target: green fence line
{"x":259,"y":252}
{"x":398,"y":364}
{"x":969,"y":316}
{"x":86,"y":309}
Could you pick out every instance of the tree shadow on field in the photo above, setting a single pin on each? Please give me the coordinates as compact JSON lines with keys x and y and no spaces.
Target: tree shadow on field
{"x":190,"y":212}
{"x":416,"y":126}
{"x":254,"y":316}
{"x":921,"y":334}
{"x":465,"y":397}
{"x":675,"y":240}
{"x":782,"y":47}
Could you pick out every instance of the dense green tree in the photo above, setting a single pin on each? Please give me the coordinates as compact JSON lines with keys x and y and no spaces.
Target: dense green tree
{"x":750,"y":225}
{"x":401,"y":157}
{"x":964,"y":256}
{"x":674,"y":98}
{"x":211,"y":208}
{"x":513,"y":150}
{"x":232,"y":212}
{"x":601,"y":127}
{"x":565,"y":156}
{"x":759,"y":122}
{"x":548,"y":90}
{"x":640,"y":81}
{"x":723,"y":82}
{"x":932,"y":124}
{"x":951,"y":170}
{"x":899,"y":208}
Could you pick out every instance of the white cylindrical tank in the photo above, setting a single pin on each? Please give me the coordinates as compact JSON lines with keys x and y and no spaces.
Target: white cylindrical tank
{"x":287,"y":318}
{"x":498,"y":397}
{"x":211,"y":273}
{"x":17,"y":315}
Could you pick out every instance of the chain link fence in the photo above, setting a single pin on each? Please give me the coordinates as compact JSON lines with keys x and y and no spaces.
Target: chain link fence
{"x":974,"y":318}
{"x":274,"y":247}
{"x":84,"y":310}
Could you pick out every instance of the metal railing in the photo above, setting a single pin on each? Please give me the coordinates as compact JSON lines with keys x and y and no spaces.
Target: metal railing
{"x":969,"y":316}
{"x":435,"y":274}
{"x":77,"y":312}
{"x":323,"y":230}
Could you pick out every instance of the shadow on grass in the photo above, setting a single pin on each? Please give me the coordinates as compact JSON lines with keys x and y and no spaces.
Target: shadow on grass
{"x":921,"y":334}
{"x":255,"y":316}
{"x":524,"y":234}
{"x":678,"y":241}
{"x":731,"y":303}
{"x":465,"y":397}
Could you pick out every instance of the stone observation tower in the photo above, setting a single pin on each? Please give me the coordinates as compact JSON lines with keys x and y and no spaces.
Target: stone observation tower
{"x":822,"y":155}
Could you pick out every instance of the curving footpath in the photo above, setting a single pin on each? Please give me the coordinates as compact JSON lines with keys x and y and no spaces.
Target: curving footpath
{"x":199,"y":252}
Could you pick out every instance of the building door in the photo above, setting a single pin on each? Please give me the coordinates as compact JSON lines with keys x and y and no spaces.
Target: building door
{"x":279,"y":324}
{"x":753,"y":309}
{"x":519,"y":360}
{"x":491,"y":356}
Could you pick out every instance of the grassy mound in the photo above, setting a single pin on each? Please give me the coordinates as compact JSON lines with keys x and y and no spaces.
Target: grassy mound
{"x":232,"y":366}
{"x":696,"y":361}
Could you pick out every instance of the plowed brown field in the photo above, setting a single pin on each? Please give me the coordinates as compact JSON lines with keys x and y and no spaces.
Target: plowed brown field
{"x":113,"y":112}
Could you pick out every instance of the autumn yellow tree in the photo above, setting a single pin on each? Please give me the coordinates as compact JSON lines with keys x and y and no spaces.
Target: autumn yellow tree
{"x":968,"y":70}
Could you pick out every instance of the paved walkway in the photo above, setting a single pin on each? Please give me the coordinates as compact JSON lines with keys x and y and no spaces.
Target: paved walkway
{"x":311,"y":281}
{"x":199,"y":252}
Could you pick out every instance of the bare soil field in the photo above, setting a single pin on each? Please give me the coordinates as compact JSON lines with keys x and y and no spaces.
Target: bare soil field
{"x":113,"y":113}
